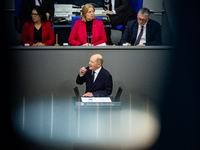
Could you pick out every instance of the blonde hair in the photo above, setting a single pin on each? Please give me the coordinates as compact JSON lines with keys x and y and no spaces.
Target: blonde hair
{"x":85,"y":11}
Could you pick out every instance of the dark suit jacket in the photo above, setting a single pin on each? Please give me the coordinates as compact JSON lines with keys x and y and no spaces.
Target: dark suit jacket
{"x":27,"y":6}
{"x":102,"y":85}
{"x":27,"y":36}
{"x":123,"y":9}
{"x":153,"y":33}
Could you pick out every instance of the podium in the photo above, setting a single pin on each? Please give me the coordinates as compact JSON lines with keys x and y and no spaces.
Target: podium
{"x":99,"y":104}
{"x":97,"y":121}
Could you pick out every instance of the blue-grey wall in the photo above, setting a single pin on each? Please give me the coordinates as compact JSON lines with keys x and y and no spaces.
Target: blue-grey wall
{"x":136,"y":71}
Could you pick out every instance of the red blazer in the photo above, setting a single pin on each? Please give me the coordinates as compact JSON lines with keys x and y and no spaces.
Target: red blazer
{"x":27,"y":36}
{"x":78,"y":34}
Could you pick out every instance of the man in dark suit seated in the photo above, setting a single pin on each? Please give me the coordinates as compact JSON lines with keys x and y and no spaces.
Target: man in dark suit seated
{"x":98,"y":80}
{"x":142,"y":31}
{"x":119,"y":12}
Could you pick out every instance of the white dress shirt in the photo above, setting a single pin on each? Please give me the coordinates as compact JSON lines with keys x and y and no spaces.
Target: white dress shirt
{"x":96,"y":73}
{"x":37,"y":3}
{"x":113,"y":6}
{"x":143,"y":38}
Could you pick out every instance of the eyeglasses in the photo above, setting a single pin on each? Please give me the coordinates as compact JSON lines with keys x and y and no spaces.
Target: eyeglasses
{"x":34,"y":14}
{"x":139,"y":19}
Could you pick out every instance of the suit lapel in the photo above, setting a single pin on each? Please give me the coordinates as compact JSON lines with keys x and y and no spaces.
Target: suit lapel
{"x":148,"y":31}
{"x":100,"y":75}
{"x":32,"y":31}
{"x":90,"y":80}
{"x":135,"y":31}
{"x":33,"y":2}
{"x":110,"y":5}
{"x":43,"y":31}
{"x":84,"y":32}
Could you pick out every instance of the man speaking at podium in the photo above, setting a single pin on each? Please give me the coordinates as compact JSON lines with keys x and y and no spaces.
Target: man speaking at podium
{"x":98,"y":80}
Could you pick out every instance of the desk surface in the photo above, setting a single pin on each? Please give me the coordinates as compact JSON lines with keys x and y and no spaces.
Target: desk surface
{"x":93,"y":48}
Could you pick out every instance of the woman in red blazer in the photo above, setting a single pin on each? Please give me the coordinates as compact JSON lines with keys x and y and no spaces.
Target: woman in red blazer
{"x":87,"y":24}
{"x":38,"y":32}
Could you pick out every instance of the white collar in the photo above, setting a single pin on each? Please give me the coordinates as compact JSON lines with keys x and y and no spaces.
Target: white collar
{"x":144,"y":25}
{"x":98,"y":70}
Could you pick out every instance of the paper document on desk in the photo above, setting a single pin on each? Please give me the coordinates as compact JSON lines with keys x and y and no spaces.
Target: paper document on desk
{"x":98,"y":12}
{"x":103,"y":44}
{"x":63,"y":10}
{"x":96,"y":99}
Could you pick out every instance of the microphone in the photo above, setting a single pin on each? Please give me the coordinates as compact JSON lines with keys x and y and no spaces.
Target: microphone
{"x":89,"y":37}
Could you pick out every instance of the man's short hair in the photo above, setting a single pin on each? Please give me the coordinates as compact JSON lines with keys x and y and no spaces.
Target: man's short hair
{"x":144,"y":11}
{"x":99,"y":59}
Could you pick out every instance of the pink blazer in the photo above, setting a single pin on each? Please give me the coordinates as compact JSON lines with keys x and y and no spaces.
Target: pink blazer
{"x":78,"y":34}
{"x":27,"y":36}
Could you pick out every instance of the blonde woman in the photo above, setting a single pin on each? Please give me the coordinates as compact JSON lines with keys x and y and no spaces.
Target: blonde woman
{"x":87,"y":24}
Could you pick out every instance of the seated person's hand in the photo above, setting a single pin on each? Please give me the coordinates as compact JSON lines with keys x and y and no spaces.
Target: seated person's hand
{"x":39,"y":44}
{"x":87,"y":44}
{"x":47,"y":15}
{"x":108,"y":12}
{"x":140,"y":45}
{"x":128,"y":44}
{"x":88,"y":94}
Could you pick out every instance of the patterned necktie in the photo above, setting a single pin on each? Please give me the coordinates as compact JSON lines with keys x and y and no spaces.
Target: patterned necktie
{"x":92,"y":78}
{"x":139,"y":37}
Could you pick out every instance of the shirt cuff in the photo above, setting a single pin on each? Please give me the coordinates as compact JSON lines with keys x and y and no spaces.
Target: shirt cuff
{"x":114,"y":12}
{"x":81,"y":75}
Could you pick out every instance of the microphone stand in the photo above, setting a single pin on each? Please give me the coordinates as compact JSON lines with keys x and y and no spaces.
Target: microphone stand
{"x":89,"y":38}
